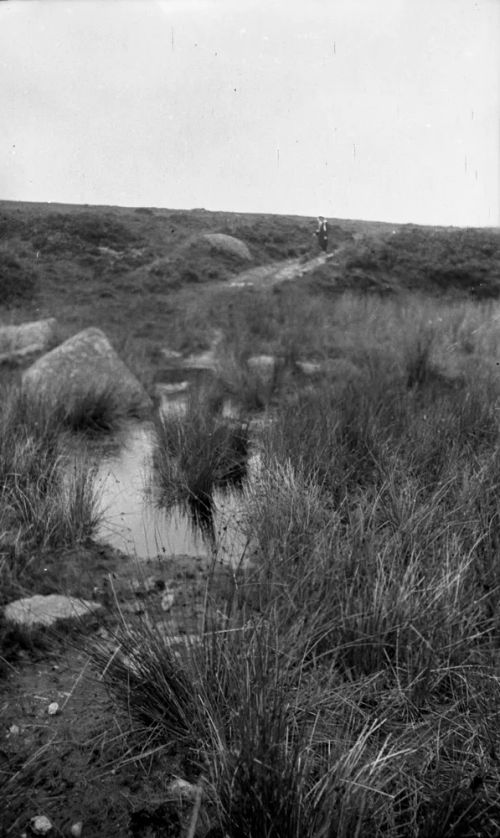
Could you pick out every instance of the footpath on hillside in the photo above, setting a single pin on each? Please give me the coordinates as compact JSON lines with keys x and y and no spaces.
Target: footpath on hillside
{"x":265,"y":276}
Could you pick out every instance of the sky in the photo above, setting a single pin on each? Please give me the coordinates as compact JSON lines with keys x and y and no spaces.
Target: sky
{"x":375,"y":109}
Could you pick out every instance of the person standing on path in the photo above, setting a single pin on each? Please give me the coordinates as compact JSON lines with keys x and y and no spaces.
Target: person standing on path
{"x":322,"y":233}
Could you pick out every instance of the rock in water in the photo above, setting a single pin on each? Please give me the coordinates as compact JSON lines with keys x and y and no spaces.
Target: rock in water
{"x":41,"y":610}
{"x":18,"y":342}
{"x":85,"y":365}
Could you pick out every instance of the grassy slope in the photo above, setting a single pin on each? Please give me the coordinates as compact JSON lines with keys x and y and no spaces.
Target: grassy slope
{"x":144,"y":278}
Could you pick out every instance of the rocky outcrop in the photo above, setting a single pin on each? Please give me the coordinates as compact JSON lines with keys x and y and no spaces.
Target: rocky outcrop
{"x":47,"y":610}
{"x":84,"y":364}
{"x":17,"y":343}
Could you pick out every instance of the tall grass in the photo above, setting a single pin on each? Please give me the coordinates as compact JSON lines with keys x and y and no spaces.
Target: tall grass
{"x":46,"y":503}
{"x":355,"y":686}
{"x":198,"y":452}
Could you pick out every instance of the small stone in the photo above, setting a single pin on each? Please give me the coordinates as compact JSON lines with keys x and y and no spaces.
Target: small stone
{"x":181,"y":788}
{"x":167,"y":599}
{"x":40,"y":825}
{"x":76,"y":829}
{"x":53,"y":708}
{"x":14,"y":730}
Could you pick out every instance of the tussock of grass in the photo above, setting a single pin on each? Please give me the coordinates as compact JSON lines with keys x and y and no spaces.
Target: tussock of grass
{"x":198,"y":452}
{"x":237,"y":708}
{"x":95,"y":411}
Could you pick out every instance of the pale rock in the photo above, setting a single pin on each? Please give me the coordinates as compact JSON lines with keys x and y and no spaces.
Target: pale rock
{"x":167,"y":599}
{"x":85,"y":363}
{"x":170,"y":354}
{"x":309,"y":367}
{"x":228,"y":244}
{"x":338,"y":370}
{"x":53,"y":708}
{"x":40,"y":825}
{"x":40,"y":610}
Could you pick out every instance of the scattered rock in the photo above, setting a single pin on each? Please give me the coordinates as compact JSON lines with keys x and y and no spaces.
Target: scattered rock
{"x":167,"y":599}
{"x":170,"y":389}
{"x":309,"y":367}
{"x":337,"y":369}
{"x":228,"y":244}
{"x":170,"y":354}
{"x":53,"y":708}
{"x":76,"y":829}
{"x":19,"y":342}
{"x":108,"y":251}
{"x":14,"y":730}
{"x":40,"y":825}
{"x":85,"y":364}
{"x":46,"y":610}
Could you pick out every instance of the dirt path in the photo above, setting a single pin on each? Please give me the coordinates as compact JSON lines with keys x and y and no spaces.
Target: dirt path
{"x":265,"y":276}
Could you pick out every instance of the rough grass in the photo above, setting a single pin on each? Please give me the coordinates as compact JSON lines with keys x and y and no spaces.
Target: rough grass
{"x":198,"y":452}
{"x":18,"y":281}
{"x":439,"y":261}
{"x":95,"y":410}
{"x":353,"y":688}
{"x":47,"y":498}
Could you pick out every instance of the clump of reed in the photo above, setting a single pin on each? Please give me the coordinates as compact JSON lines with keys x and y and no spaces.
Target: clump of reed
{"x":198,"y":452}
{"x":94,"y":410}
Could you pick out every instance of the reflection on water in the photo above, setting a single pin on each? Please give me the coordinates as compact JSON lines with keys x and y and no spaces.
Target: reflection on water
{"x":133,"y":523}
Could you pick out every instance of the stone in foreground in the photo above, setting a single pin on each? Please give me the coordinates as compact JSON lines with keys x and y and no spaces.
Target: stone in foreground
{"x":84,"y":364}
{"x":47,"y":610}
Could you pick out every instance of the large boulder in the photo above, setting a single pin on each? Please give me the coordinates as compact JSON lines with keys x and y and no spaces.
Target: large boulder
{"x":84,"y":365}
{"x":26,"y":339}
{"x":228,"y":244}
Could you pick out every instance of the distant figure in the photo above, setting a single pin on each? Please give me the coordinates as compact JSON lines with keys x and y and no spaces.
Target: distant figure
{"x":322,"y":233}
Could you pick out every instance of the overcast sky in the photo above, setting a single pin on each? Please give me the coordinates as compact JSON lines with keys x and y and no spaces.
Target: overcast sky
{"x":375,"y":109}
